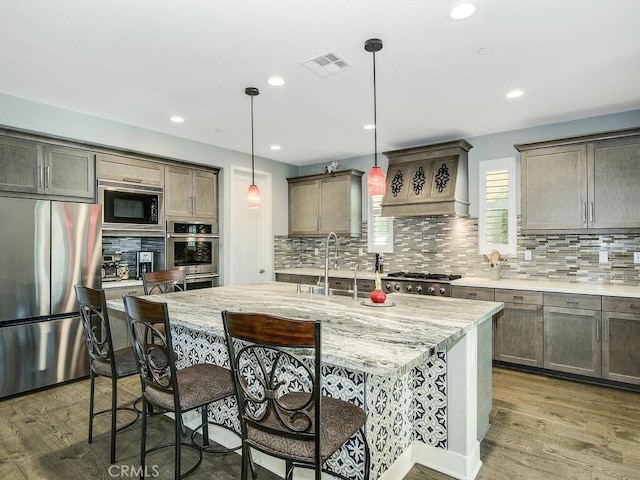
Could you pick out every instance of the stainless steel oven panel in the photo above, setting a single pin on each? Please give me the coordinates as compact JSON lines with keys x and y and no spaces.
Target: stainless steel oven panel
{"x":132,"y":229}
{"x":195,"y":267}
{"x":176,"y":227}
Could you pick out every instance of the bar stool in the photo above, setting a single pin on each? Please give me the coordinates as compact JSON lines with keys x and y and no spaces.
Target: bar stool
{"x":103,"y":359}
{"x":164,"y":281}
{"x":170,"y":389}
{"x":276,"y":369}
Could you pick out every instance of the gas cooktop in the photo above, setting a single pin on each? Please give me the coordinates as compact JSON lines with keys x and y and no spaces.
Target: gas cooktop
{"x":423,"y":276}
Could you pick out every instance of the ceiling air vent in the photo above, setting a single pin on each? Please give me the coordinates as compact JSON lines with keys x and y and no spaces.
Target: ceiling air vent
{"x":326,"y":64}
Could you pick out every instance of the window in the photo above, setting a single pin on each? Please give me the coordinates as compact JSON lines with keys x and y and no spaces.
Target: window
{"x":497,"y":215}
{"x":380,"y":230}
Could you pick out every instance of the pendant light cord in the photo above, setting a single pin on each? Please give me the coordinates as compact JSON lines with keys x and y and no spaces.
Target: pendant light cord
{"x":375,"y":116}
{"x":253,"y":180}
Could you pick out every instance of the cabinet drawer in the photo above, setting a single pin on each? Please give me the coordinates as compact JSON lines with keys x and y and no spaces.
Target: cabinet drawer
{"x":527,"y":297}
{"x":473,"y":293}
{"x":117,"y":292}
{"x":366,"y":285}
{"x":621,"y":304}
{"x":585,"y":302}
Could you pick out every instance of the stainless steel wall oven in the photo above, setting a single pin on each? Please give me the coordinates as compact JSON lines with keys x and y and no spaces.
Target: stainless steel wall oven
{"x":193,"y":246}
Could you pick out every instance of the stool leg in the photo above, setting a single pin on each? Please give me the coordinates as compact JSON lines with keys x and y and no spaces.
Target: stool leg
{"x":92,"y":381}
{"x":143,"y":439}
{"x":205,"y":426}
{"x":179,"y":425}
{"x":114,"y":405}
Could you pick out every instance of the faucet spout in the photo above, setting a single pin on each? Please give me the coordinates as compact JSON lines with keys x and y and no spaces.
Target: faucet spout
{"x":326,"y":261}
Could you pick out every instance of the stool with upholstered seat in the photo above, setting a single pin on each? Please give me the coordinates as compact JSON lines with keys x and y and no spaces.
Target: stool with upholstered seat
{"x":103,"y":359}
{"x":277,"y":373}
{"x":166,"y":387}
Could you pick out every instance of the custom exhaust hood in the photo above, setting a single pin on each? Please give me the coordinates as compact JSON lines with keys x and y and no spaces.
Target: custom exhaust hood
{"x":428,"y":180}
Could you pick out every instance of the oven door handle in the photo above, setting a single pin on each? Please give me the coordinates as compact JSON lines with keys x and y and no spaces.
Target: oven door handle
{"x":200,"y":276}
{"x":195,"y":236}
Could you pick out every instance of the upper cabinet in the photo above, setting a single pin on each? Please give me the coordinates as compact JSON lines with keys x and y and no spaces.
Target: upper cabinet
{"x":582,"y":183}
{"x":191,"y":193}
{"x":132,"y":170}
{"x":36,"y":168}
{"x":324,"y":203}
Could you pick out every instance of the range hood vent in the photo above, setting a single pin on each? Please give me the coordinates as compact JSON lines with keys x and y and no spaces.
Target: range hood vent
{"x":428,"y":180}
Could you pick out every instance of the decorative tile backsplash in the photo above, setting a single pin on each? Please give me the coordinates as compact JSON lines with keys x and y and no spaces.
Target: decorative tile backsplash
{"x":450,"y":245}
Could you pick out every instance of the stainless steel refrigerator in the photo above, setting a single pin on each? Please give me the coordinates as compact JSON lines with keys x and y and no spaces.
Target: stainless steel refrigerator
{"x":45,"y":248}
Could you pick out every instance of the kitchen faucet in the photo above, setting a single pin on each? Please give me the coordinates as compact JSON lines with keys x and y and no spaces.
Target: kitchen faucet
{"x":326,"y":261}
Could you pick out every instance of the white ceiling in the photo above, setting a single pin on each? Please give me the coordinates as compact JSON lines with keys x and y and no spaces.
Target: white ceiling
{"x":140,"y":61}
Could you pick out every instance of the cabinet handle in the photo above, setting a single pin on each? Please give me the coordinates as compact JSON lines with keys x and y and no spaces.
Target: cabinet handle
{"x":41,"y":176}
{"x":518,"y":297}
{"x":598,"y":331}
{"x":572,"y":302}
{"x":193,"y":211}
{"x":46,"y":177}
{"x":132,"y":180}
{"x":472,"y":294}
{"x":634,"y":306}
{"x":584,"y":212}
{"x":591,"y":212}
{"x":605,"y":330}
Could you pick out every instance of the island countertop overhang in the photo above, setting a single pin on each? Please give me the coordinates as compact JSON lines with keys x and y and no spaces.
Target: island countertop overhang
{"x":387,"y":341}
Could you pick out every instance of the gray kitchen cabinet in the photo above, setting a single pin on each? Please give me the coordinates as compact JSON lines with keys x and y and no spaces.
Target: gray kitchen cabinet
{"x":518,"y":328}
{"x":473,"y":293}
{"x":319,"y":204}
{"x":572,"y":340}
{"x":36,"y":168}
{"x":582,"y":183}
{"x":191,"y":193}
{"x":621,"y":339}
{"x":127,"y":169}
{"x":69,"y":172}
{"x":20,"y":162}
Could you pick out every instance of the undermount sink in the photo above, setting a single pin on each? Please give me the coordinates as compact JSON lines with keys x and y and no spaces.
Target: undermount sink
{"x":335,"y":292}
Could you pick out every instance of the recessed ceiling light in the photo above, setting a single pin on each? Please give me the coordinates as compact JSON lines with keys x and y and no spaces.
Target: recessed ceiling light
{"x":176,"y":119}
{"x":369,"y":126}
{"x":484,"y":51}
{"x":462,"y":10}
{"x":515,"y":94}
{"x":275,"y":147}
{"x":276,"y":81}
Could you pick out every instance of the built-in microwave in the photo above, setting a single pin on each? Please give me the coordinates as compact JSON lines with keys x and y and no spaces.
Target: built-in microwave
{"x":131,"y":209}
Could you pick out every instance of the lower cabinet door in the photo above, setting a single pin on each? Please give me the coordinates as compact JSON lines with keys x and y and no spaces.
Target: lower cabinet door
{"x":621,"y":347}
{"x":518,"y":335}
{"x":572,"y":341}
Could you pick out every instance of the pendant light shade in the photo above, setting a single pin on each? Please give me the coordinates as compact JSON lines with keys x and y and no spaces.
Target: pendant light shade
{"x":253,"y":194}
{"x":376,"y":183}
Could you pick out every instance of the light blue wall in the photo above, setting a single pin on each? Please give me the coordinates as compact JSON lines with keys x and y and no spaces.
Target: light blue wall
{"x":498,"y":145}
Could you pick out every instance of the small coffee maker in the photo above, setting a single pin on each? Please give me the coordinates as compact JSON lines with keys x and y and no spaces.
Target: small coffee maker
{"x":144,"y":263}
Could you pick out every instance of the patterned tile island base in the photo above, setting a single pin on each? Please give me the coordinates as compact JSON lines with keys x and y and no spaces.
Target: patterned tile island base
{"x":412,"y":367}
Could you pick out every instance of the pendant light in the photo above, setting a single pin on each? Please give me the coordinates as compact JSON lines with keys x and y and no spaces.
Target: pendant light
{"x":376,"y":181}
{"x":253,"y":194}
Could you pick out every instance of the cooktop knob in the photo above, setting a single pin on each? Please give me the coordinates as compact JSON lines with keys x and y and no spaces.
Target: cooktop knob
{"x":396,"y":287}
{"x":419,"y":289}
{"x":442,"y":291}
{"x":431,"y":290}
{"x":408,"y":287}
{"x":387,"y":286}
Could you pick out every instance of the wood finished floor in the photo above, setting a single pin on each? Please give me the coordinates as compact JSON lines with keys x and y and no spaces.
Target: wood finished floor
{"x":541,"y":428}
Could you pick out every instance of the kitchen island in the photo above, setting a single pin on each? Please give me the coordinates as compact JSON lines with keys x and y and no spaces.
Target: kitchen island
{"x":413,"y":367}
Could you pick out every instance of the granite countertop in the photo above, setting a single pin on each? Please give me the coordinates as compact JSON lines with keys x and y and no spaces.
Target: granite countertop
{"x":630,"y":291}
{"x":387,"y":341}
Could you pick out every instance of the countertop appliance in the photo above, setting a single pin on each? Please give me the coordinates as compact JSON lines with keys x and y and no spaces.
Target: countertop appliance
{"x":49,"y":247}
{"x":110,"y":264}
{"x":144,"y":263}
{"x":193,"y":247}
{"x":131,"y":210}
{"x":436,"y":284}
